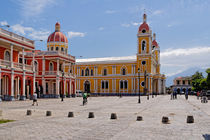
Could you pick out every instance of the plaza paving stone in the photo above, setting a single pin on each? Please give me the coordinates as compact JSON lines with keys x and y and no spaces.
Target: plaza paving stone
{"x":80,"y":127}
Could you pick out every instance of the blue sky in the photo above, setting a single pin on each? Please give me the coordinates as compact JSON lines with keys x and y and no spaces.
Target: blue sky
{"x":105,"y":28}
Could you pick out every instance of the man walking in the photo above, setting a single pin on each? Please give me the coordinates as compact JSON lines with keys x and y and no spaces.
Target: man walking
{"x":84,"y":98}
{"x":35,"y":99}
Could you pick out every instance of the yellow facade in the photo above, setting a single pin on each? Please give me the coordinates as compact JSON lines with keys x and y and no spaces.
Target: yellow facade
{"x":126,"y":75}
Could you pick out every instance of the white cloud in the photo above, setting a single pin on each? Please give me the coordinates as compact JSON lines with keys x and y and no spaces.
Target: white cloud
{"x":131,"y":24}
{"x":135,"y":23}
{"x":3,"y":23}
{"x":19,"y":29}
{"x":30,"y":32}
{"x":172,"y":24}
{"x":174,"y":61}
{"x":110,"y":11}
{"x":157,"y":12}
{"x":125,"y":25}
{"x":34,"y":7}
{"x":101,"y":28}
{"x":76,"y":34}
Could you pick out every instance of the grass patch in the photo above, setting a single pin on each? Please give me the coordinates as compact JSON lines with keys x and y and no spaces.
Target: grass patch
{"x":5,"y":121}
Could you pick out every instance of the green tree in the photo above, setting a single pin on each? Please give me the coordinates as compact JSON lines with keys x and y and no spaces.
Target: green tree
{"x":196,"y":80}
{"x":203,"y":84}
{"x":208,"y":78}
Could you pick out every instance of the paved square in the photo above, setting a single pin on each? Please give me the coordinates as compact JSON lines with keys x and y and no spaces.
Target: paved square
{"x":59,"y":126}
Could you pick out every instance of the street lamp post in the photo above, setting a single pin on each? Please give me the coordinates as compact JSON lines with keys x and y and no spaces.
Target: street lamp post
{"x":145,"y":81}
{"x":62,"y":86}
{"x":139,"y":101}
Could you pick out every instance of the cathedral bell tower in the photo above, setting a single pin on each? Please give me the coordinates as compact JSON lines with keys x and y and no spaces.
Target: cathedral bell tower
{"x":144,"y":36}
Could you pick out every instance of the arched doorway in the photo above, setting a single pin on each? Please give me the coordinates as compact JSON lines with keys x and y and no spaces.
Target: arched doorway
{"x":72,"y":89}
{"x":87,"y":86}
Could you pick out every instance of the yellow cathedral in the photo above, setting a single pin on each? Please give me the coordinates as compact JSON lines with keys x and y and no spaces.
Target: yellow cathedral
{"x":128,"y":75}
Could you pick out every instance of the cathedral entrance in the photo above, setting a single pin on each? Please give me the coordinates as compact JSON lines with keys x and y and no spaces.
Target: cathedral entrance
{"x":87,"y":87}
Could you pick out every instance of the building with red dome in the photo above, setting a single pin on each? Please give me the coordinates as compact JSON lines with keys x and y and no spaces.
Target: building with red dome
{"x":54,"y":68}
{"x":24,"y":70}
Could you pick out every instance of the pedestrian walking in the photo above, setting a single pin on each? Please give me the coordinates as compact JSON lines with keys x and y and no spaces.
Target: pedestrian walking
{"x":35,"y":99}
{"x":186,"y":95}
{"x":171,"y":95}
{"x":84,"y":99}
{"x":198,"y":94}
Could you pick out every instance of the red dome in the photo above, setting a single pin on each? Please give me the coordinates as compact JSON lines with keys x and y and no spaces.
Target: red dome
{"x":145,"y":26}
{"x":57,"y":37}
{"x":154,"y":43}
{"x":57,"y":23}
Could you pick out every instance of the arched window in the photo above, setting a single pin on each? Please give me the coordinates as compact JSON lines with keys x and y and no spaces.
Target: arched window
{"x":143,"y":31}
{"x":107,"y":85}
{"x":51,"y":48}
{"x":82,"y":73}
{"x":7,"y":56}
{"x":102,"y":85}
{"x":153,"y":47}
{"x":121,"y":84}
{"x":66,"y":50}
{"x":125,"y":84}
{"x":36,"y":65}
{"x":123,"y":71}
{"x":56,"y":48}
{"x":143,"y":45}
{"x":105,"y":72}
{"x":62,"y":49}
{"x":91,"y":72}
{"x":51,"y":66}
{"x":86,"y":72}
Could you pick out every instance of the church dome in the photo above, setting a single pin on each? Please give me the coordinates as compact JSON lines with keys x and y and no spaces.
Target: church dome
{"x":154,"y":42}
{"x":144,"y":27}
{"x":57,"y":41}
{"x":57,"y":36}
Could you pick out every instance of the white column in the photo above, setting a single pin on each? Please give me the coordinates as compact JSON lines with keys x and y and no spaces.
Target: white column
{"x":43,"y":65}
{"x":44,"y":86}
{"x":57,"y":85}
{"x":75,"y":87}
{"x":12,"y":83}
{"x":23,"y":85}
{"x":18,"y":85}
{"x":23,"y":58}
{"x":34,"y":73}
{"x":57,"y":66}
{"x":70,"y":87}
{"x":11,"y":57}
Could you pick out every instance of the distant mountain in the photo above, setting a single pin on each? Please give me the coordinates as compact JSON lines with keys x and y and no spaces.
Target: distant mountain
{"x":188,"y":72}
